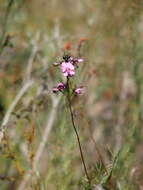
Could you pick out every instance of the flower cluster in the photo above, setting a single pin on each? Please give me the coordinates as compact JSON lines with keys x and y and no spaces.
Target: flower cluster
{"x":68,"y":69}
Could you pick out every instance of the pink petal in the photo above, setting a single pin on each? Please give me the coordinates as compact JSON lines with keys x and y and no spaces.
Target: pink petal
{"x":63,"y":67}
{"x":80,"y":60}
{"x":70,"y":66}
{"x":55,"y":90}
{"x":71,"y":73}
{"x":79,"y":90}
{"x":65,"y":74}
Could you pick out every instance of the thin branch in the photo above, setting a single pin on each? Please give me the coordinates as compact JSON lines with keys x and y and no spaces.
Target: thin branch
{"x":27,"y":80}
{"x":78,"y":139}
{"x":32,"y":56}
{"x":7,"y":116}
{"x":76,"y":132}
{"x":46,"y":133}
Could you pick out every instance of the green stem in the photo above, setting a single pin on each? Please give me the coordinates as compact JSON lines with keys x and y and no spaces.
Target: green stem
{"x":76,"y":132}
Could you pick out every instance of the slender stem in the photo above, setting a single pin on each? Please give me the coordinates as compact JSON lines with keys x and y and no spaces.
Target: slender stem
{"x":78,"y":139}
{"x":76,"y":132}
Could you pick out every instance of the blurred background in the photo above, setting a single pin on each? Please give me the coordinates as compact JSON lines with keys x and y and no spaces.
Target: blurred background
{"x":33,"y":35}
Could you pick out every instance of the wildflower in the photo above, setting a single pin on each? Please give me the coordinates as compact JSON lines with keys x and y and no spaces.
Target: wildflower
{"x":60,"y":86}
{"x":68,"y":59}
{"x":79,"y":91}
{"x":55,"y":90}
{"x":68,"y":66}
{"x":68,"y":69}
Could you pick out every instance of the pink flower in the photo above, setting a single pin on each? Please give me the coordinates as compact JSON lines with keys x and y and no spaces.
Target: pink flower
{"x":60,"y":86}
{"x":67,"y":69}
{"x":55,"y":90}
{"x":79,"y":91}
